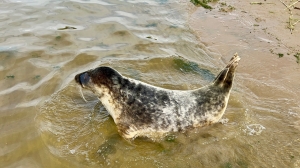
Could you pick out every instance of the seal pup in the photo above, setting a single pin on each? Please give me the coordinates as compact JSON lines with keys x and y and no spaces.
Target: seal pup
{"x":140,"y":109}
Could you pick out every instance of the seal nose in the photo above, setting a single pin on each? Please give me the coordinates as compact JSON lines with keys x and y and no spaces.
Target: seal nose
{"x":83,"y":79}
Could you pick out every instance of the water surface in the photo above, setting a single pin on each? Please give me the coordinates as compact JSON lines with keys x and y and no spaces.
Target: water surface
{"x":44,"y":122}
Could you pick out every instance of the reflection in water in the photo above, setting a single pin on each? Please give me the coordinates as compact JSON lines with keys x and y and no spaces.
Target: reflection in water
{"x":44,"y":122}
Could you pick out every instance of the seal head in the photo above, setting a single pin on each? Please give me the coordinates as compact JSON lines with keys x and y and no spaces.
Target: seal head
{"x":101,"y":77}
{"x":140,"y":109}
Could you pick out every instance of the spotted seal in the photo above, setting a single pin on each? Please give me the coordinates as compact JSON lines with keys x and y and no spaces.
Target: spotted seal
{"x":140,"y":109}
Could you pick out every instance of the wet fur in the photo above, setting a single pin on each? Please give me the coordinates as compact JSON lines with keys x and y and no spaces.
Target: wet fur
{"x":140,"y":109}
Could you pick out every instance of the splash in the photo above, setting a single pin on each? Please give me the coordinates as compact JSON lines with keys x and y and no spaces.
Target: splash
{"x":254,"y":129}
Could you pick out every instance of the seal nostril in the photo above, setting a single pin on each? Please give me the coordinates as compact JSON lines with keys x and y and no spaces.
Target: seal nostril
{"x":77,"y":79}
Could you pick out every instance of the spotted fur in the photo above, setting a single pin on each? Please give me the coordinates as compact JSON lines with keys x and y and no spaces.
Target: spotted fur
{"x":140,"y":109}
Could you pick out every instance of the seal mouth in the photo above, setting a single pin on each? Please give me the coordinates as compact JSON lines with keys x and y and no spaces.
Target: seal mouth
{"x":82,"y":79}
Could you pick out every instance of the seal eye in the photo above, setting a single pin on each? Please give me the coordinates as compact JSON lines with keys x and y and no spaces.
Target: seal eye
{"x":83,"y":79}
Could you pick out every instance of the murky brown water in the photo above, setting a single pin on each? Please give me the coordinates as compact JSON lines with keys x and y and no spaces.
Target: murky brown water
{"x":44,"y":122}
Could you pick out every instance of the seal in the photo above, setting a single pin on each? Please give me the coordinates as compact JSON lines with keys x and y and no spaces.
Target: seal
{"x":140,"y":109}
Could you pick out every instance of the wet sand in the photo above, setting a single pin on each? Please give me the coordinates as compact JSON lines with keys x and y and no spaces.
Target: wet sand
{"x":259,"y":33}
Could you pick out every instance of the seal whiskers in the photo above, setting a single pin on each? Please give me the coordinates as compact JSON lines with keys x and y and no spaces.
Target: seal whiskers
{"x":81,"y":93}
{"x":140,"y":109}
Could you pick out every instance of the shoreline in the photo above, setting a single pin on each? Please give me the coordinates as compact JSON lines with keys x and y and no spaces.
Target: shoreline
{"x":252,"y":23}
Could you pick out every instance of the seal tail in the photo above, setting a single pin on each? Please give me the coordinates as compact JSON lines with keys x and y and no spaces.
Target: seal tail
{"x":226,"y":76}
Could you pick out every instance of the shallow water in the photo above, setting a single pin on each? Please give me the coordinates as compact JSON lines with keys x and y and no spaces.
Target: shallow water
{"x":44,"y":122}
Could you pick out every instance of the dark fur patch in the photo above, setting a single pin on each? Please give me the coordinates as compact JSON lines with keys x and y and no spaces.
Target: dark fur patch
{"x":140,"y":102}
{"x":212,"y":101}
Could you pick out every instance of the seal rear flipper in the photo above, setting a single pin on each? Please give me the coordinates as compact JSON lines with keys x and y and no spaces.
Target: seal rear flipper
{"x":220,"y":78}
{"x":226,"y":76}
